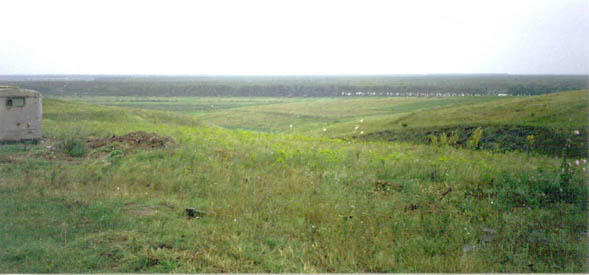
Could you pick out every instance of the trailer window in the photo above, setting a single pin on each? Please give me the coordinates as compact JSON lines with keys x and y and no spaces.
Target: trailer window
{"x":15,"y":102}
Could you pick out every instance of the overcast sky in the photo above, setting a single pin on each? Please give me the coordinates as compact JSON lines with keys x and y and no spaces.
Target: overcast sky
{"x":294,"y":37}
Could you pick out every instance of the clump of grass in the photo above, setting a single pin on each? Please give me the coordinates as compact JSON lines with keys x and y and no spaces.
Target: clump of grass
{"x":74,"y":146}
{"x":475,"y":139}
{"x":445,"y":139}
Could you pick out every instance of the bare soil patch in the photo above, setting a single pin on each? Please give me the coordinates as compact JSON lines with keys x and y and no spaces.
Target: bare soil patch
{"x":133,"y":140}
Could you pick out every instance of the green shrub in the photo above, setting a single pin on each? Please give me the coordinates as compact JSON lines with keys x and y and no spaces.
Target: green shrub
{"x":74,"y":146}
{"x":475,"y":139}
{"x":444,"y":139}
{"x":434,"y":140}
{"x":453,"y":138}
{"x":530,"y":140}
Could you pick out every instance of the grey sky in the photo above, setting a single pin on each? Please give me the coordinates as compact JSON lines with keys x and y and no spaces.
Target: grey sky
{"x":294,"y":37}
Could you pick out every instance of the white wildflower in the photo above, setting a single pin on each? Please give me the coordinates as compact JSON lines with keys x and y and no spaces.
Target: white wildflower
{"x":577,"y":162}
{"x":290,"y":126}
{"x":356,"y":128}
{"x":576,"y":132}
{"x":361,"y":132}
{"x":118,"y":188}
{"x":361,"y":120}
{"x":584,"y":161}
{"x":324,"y":129}
{"x":235,"y":220}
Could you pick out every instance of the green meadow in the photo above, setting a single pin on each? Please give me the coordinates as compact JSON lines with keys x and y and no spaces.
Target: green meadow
{"x":300,"y":185}
{"x":506,"y":121}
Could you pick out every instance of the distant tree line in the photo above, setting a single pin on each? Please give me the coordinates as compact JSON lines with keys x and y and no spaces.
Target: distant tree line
{"x":301,"y":86}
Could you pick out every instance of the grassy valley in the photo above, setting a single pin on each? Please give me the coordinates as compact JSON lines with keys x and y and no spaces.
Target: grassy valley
{"x":505,"y":121}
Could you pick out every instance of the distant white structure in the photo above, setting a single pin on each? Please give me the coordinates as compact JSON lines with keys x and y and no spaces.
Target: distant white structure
{"x":502,"y":94}
{"x":21,"y":114}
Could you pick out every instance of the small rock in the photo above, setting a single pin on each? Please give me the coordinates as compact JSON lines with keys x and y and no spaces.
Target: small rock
{"x":192,"y":212}
{"x":489,"y":230}
{"x":469,"y":247}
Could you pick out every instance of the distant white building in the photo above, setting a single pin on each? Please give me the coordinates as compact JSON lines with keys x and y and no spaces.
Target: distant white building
{"x":502,"y":94}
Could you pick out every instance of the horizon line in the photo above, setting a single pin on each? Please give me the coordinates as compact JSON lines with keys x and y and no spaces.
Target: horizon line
{"x":290,"y":75}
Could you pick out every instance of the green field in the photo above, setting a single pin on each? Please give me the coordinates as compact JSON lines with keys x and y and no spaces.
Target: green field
{"x":507,"y":121}
{"x":332,"y":193}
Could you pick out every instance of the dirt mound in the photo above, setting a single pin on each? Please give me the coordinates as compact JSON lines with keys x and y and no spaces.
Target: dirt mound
{"x":134,"y":139}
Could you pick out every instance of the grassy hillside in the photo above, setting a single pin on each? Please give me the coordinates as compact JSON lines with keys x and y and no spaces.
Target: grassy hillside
{"x":506,"y":121}
{"x":288,"y":199}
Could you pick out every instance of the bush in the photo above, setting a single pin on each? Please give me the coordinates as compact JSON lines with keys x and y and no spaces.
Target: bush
{"x":74,"y":146}
{"x":434,"y":140}
{"x":475,"y":139}
{"x":444,"y":139}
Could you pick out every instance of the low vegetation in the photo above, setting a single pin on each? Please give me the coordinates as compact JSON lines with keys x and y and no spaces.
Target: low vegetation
{"x":320,"y":196}
{"x":299,"y":86}
{"x":506,"y":122}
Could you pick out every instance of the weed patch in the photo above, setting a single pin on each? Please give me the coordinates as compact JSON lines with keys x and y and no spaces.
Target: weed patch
{"x":492,"y":137}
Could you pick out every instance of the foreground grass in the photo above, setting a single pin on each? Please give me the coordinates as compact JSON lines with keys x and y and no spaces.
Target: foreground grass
{"x":280,"y":203}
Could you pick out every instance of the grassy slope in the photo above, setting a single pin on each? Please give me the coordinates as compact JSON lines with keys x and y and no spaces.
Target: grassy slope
{"x":341,"y":115}
{"x":567,"y":109}
{"x":281,"y":202}
{"x":506,"y":121}
{"x":335,"y":114}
